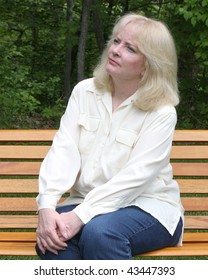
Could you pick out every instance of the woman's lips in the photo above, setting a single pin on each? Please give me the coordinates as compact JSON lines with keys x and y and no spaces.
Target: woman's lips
{"x":113,"y":62}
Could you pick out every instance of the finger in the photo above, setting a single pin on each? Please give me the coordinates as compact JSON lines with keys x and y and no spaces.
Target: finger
{"x":61,"y":237}
{"x":45,"y":243}
{"x":53,"y":243}
{"x":40,"y":246}
{"x":53,"y":246}
{"x":62,"y":231}
{"x":51,"y":249}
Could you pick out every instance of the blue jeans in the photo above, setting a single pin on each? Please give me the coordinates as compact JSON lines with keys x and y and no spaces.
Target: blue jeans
{"x":116,"y":236}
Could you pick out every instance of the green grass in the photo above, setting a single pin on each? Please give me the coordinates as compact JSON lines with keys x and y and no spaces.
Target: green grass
{"x":136,"y":258}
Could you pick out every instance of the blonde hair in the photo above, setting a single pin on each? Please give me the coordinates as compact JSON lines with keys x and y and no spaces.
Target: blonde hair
{"x":158,"y":86}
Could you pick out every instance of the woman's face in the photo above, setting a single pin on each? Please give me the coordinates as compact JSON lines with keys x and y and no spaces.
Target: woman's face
{"x":125,"y":61}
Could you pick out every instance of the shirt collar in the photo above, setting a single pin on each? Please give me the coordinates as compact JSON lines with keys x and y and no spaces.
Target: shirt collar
{"x":92,"y":88}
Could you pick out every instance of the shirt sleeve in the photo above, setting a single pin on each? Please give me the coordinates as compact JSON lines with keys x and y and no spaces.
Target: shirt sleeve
{"x":149,"y":156}
{"x":61,"y":165}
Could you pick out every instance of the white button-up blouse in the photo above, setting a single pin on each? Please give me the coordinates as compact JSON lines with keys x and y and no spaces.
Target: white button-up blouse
{"x":110,"y":160}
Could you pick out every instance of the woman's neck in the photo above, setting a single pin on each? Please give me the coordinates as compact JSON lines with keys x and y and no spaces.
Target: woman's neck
{"x":121,"y":92}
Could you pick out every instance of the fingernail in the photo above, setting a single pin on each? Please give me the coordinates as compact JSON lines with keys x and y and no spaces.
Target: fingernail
{"x":65,"y":235}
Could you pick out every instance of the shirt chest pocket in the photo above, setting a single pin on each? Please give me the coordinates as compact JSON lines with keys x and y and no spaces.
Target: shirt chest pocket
{"x":89,"y":126}
{"x":124,"y":144}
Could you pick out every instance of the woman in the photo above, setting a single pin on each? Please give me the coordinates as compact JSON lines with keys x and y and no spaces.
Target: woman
{"x":112,"y":151}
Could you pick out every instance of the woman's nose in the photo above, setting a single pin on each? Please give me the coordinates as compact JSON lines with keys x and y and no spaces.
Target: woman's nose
{"x":117,"y":50}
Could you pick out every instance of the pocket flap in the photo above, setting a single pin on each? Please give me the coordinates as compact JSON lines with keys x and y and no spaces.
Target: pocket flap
{"x":89,"y":123}
{"x":126,"y":137}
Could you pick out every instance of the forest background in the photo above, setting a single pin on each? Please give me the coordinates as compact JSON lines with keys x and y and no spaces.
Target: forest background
{"x":47,"y":46}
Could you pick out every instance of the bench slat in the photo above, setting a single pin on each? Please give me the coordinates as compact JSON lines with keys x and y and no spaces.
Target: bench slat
{"x":18,"y":204}
{"x":28,"y":249}
{"x":32,"y":168}
{"x":39,"y":152}
{"x":189,"y":152}
{"x":29,"y":204}
{"x":191,"y":135}
{"x":190,"y":169}
{"x":188,"y":249}
{"x":19,"y":186}
{"x":30,"y":222}
{"x":47,"y":135}
{"x":33,"y":135}
{"x":195,"y":237}
{"x":13,"y":186}
{"x":23,"y":152}
{"x":17,"y":236}
{"x":18,"y":222}
{"x":195,"y":203}
{"x":19,"y":168}
{"x":31,"y":237}
{"x":193,"y":186}
{"x":17,"y":249}
{"x":196,"y":222}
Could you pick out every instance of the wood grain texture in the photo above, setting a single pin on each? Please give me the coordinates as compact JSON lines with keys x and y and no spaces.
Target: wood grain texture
{"x":21,"y":154}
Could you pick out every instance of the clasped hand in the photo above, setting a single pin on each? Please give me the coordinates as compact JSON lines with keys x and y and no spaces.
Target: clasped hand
{"x":55,"y":229}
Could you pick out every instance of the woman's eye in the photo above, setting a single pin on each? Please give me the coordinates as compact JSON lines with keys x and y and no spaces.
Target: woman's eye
{"x":130,"y":49}
{"x":116,"y":41}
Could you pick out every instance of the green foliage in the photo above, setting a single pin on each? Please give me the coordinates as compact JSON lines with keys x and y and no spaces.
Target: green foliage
{"x":193,"y":63}
{"x":34,"y":36}
{"x":32,"y":60}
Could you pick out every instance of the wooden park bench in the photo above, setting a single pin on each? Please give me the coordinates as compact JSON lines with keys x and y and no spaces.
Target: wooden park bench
{"x":21,"y":153}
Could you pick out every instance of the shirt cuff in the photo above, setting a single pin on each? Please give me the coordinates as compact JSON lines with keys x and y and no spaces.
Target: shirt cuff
{"x":47,"y":201}
{"x":84,"y":212}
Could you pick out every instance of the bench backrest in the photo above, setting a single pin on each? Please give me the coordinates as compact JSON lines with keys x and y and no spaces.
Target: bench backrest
{"x":21,"y":153}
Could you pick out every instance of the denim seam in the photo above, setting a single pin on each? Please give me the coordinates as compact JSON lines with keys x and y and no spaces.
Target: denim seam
{"x":146,"y":228}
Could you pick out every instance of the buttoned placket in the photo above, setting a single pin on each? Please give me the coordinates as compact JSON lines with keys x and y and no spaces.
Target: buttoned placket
{"x":104,"y":103}
{"x":104,"y":106}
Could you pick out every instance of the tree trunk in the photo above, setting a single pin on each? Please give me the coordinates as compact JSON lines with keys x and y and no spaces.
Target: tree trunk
{"x":83,"y":39}
{"x":98,"y":27}
{"x":68,"y":63}
{"x":34,"y":39}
